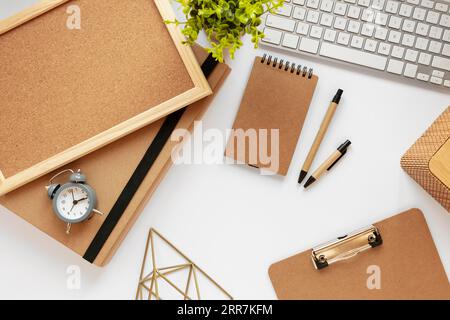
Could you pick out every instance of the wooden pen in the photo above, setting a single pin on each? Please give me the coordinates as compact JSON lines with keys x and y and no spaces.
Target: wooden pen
{"x":329,"y":163}
{"x":320,"y":134}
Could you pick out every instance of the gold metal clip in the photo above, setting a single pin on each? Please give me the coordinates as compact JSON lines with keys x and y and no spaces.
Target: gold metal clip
{"x":346,"y":247}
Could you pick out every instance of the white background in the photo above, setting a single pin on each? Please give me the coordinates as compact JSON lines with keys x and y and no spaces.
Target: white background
{"x":234,"y":222}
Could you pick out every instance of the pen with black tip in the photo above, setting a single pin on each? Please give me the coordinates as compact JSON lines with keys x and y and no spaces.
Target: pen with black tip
{"x":329,"y":163}
{"x":320,"y":134}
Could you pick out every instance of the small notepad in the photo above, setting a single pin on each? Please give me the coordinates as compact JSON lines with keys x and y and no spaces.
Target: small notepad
{"x":271,"y":115}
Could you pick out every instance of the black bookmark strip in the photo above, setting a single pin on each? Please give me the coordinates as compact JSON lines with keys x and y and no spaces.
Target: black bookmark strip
{"x":140,"y":173}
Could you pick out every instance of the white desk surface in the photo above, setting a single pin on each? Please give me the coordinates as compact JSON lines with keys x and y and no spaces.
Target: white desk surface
{"x":234,"y":222}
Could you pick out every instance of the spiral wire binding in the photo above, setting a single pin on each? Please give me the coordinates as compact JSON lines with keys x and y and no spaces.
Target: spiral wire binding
{"x":287,"y":66}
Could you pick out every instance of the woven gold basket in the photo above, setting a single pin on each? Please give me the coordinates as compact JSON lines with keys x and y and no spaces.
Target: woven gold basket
{"x":428,"y":160}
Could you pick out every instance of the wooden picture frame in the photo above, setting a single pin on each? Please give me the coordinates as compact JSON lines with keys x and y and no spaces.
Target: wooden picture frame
{"x":199,"y":90}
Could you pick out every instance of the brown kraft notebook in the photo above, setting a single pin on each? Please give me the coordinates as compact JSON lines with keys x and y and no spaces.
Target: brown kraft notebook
{"x":403,"y":264}
{"x":271,"y":115}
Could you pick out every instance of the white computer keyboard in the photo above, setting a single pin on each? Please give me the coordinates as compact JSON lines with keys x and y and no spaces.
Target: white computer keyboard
{"x":409,"y":38}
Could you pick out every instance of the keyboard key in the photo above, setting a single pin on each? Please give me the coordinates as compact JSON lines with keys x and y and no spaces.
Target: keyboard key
{"x":381,"y":33}
{"x":408,"y":40}
{"x":302,"y":28}
{"x":397,"y":52}
{"x":432,"y":17}
{"x":442,"y":7}
{"x":354,"y":12}
{"x":290,"y":40}
{"x":364,"y":3}
{"x":411,"y":55}
{"x":395,"y":66}
{"x":330,"y":35}
{"x":395,"y":22}
{"x":316,"y":32}
{"x":367,"y":30}
{"x":419,"y":13}
{"x":415,"y":2}
{"x":370,"y":45}
{"x":427,"y":4}
{"x":309,"y":45}
{"x":435,"y":32}
{"x":340,"y":23}
{"x":422,"y":43}
{"x":354,"y":26}
{"x":343,"y":38}
{"x":410,"y":70}
{"x":340,"y":8}
{"x":446,"y":50}
{"x":394,"y":36}
{"x":445,"y":21}
{"x":441,"y":63}
{"x":299,"y":2}
{"x":272,"y":36}
{"x":368,"y":15}
{"x":299,"y":13}
{"x":437,"y":73}
{"x":423,"y":77}
{"x":357,"y":42}
{"x":447,"y":83}
{"x":405,"y":10}
{"x":436,"y":80}
{"x":424,"y":58}
{"x":378,"y":4}
{"x":384,"y":49}
{"x":408,"y":25}
{"x":353,"y":56}
{"x":326,"y":5}
{"x":312,"y":4}
{"x":435,"y":47}
{"x":350,"y":1}
{"x":381,"y":19}
{"x":313,"y":16}
{"x":326,"y":20}
{"x":280,"y":23}
{"x":285,"y":10}
{"x":446,"y":36}
{"x":422,"y":29}
{"x":392,"y":6}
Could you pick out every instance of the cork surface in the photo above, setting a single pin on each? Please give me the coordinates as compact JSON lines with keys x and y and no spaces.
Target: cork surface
{"x":61,"y":87}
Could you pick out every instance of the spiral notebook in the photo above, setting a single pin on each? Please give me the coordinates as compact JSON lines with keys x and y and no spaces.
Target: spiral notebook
{"x":271,"y":115}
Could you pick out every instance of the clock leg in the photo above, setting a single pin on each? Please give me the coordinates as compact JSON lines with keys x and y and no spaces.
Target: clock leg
{"x":98,"y":212}
{"x":69,"y":225}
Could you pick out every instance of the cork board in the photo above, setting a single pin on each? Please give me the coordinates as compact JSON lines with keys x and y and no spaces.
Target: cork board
{"x":68,"y":92}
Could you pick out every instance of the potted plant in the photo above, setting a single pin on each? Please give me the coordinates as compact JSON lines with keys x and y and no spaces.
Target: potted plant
{"x":224,"y":22}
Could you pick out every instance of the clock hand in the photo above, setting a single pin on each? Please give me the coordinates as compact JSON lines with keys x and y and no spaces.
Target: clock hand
{"x":82,"y":199}
{"x":73,"y":197}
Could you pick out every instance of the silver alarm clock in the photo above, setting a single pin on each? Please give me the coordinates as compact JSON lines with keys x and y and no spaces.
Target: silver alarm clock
{"x":74,"y":201}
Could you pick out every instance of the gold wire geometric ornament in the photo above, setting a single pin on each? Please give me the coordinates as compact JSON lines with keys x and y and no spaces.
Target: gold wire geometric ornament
{"x":150,"y":283}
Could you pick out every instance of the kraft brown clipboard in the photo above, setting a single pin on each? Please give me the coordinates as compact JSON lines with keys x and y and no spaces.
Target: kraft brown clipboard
{"x":67,"y":92}
{"x":108,"y":170}
{"x":277,"y":97}
{"x":409,"y":264}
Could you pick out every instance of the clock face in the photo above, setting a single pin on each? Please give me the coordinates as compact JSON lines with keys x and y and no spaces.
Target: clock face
{"x":73,"y":203}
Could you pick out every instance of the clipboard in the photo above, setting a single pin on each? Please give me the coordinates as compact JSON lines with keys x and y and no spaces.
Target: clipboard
{"x":393,"y":259}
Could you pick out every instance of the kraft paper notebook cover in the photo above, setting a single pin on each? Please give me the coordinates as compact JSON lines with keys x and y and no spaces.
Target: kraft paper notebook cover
{"x":277,"y":97}
{"x":408,"y":266}
{"x":108,"y":170}
{"x":68,"y":91}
